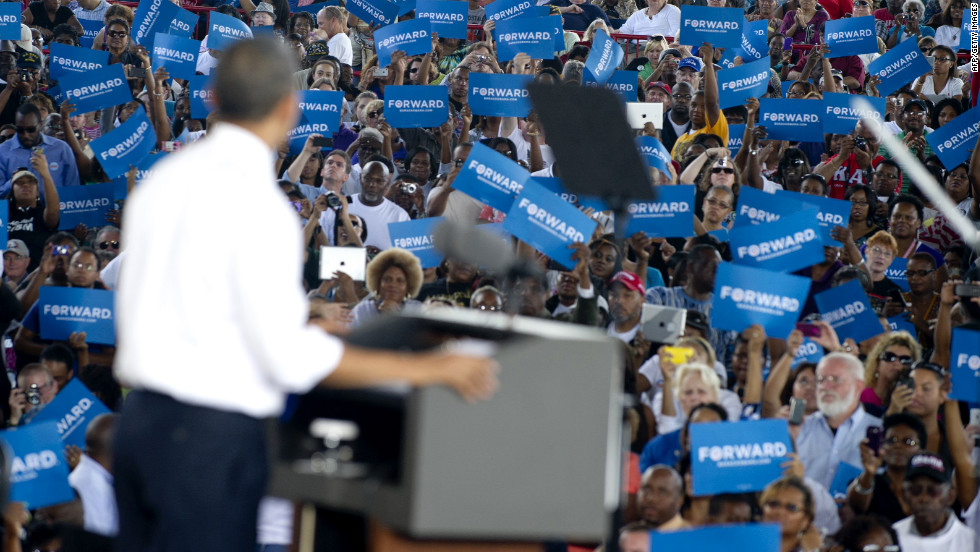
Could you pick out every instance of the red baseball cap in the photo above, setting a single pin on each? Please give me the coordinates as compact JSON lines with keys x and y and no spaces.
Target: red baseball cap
{"x":629,"y":280}
{"x":661,"y":85}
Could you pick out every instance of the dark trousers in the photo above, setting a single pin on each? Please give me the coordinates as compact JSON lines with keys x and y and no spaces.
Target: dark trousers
{"x":187,"y":477}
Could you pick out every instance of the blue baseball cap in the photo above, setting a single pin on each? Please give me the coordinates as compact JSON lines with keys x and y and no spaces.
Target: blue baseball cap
{"x":691,"y":63}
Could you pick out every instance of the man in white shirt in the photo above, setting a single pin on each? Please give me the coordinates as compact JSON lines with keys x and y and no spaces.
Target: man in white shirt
{"x":91,"y":10}
{"x":932,"y":527}
{"x":330,"y":27}
{"x":371,"y":205}
{"x":209,"y":357}
{"x":92,"y":478}
{"x":832,"y":435}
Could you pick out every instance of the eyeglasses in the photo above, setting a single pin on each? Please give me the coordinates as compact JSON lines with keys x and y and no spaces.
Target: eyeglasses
{"x":413,"y":70}
{"x":919,"y":273}
{"x":834,"y":381}
{"x":373,"y":114}
{"x":83,"y":266}
{"x":681,"y":96}
{"x":788,"y":506}
{"x":715,"y":203}
{"x":26,"y":130}
{"x":117,"y":34}
{"x":916,"y":489}
{"x":726,"y":170}
{"x":107,"y":244}
{"x":880,"y":548}
{"x":945,"y":59}
{"x":906,"y":442}
{"x":458,"y":162}
{"x":491,"y":308}
{"x":881,"y":251}
{"x":892,"y":357}
{"x":860,"y":203}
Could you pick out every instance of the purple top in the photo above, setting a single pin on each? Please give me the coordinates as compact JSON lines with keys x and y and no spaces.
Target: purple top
{"x":809,"y":35}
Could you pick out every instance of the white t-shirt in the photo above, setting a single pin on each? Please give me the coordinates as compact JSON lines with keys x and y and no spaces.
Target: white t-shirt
{"x":666,"y":22}
{"x":954,"y":537}
{"x":948,"y":36}
{"x":340,"y":47}
{"x":954,"y":87}
{"x":376,"y":218}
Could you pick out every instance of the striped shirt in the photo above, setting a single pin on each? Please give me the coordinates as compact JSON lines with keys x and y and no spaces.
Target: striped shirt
{"x":98,"y":14}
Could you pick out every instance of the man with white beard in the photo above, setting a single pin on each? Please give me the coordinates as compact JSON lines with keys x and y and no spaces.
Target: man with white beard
{"x":832,"y":434}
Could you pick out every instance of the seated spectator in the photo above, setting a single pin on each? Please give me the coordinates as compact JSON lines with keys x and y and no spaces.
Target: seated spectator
{"x":16,"y":259}
{"x":911,"y":25}
{"x":948,"y":24}
{"x":659,"y":17}
{"x":35,"y":389}
{"x":932,"y":526}
{"x":394,"y":278}
{"x":789,"y":502}
{"x":804,"y":24}
{"x":456,"y":286}
{"x":59,"y":359}
{"x":875,"y":490}
{"x":371,"y":206}
{"x":576,"y":15}
{"x":92,"y":477}
{"x":18,"y":154}
{"x":865,"y":533}
{"x":660,"y":497}
{"x":891,"y":355}
{"x":487,"y":298}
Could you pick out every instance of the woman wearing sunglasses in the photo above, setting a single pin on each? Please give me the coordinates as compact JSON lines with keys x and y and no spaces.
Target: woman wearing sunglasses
{"x":881,"y":493}
{"x":890,"y":355}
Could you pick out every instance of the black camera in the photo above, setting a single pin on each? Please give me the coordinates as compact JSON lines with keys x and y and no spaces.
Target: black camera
{"x":33,"y":394}
{"x":333,"y":201}
{"x":860,"y":143}
{"x":24,"y":74}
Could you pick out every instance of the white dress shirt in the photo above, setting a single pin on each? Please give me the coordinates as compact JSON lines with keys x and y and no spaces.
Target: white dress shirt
{"x":93,"y":483}
{"x":210,"y":307}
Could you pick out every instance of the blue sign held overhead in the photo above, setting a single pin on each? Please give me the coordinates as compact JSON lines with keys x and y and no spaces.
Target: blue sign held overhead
{"x":320,"y":115}
{"x":899,"y":66}
{"x":490,"y":177}
{"x":790,"y":119}
{"x":851,"y":36}
{"x":225,"y":30}
{"x":527,"y":35}
{"x":847,"y":309}
{"x":785,"y":245}
{"x":896,"y":273}
{"x":447,"y":18}
{"x":754,"y":40}
{"x":953,"y":141}
{"x":547,"y":223}
{"x":97,"y":89}
{"x":152,"y":17}
{"x":379,"y":12}
{"x":964,"y":364}
{"x":720,"y":27}
{"x":738,"y":457}
{"x":832,"y":212}
{"x":86,"y":205}
{"x":557,"y":30}
{"x":10,"y":21}
{"x":499,"y":95}
{"x":183,"y":23}
{"x":502,"y":10}
{"x":411,"y":37}
{"x":63,"y":311}
{"x":416,"y":106}
{"x":90,"y":30}
{"x":809,"y":351}
{"x":405,"y":6}
{"x":201,"y":96}
{"x":74,"y":60}
{"x":738,"y":84}
{"x":746,"y":295}
{"x":841,"y":114}
{"x":38,"y":473}
{"x":671,"y":215}
{"x":623,"y":83}
{"x":604,"y":57}
{"x":415,"y":236}
{"x":653,"y":153}
{"x":176,"y":54}
{"x":72,"y":410}
{"x":126,"y":145}
{"x":736,"y":134}
{"x":842,"y":478}
{"x":757,"y":537}
{"x":758,"y":207}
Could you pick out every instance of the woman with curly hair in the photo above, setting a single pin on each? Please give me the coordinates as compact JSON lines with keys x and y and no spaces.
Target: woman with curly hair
{"x":394,"y":278}
{"x":890,"y":355}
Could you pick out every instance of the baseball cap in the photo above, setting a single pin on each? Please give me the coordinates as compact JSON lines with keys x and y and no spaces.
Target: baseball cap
{"x":22,"y":173}
{"x":18,"y":247}
{"x":25,"y":42}
{"x":697,"y":320}
{"x":371,"y":133}
{"x":919,"y":103}
{"x":316,"y":50}
{"x":29,"y":60}
{"x":658,"y":84}
{"x":629,"y":280}
{"x":691,"y":63}
{"x":929,"y":465}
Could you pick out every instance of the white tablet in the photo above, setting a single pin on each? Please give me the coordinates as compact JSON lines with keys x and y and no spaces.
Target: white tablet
{"x":662,"y":324}
{"x":640,"y":113}
{"x":350,"y":260}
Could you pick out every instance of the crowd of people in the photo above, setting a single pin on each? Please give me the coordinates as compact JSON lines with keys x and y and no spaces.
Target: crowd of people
{"x":917,"y":485}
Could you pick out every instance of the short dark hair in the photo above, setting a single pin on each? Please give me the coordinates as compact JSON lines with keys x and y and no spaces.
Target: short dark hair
{"x":87,"y":249}
{"x":433,"y":165}
{"x":59,"y":352}
{"x":117,"y":21}
{"x":242,"y":96}
{"x":65,"y":29}
{"x":907,"y":420}
{"x":718,"y":501}
{"x":911,"y":200}
{"x":924,"y":257}
{"x":852,"y":533}
{"x":26,"y":109}
{"x":62,"y":236}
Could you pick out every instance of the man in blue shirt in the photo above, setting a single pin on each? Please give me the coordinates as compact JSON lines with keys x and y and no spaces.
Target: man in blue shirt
{"x":577,"y":15}
{"x":16,"y":153}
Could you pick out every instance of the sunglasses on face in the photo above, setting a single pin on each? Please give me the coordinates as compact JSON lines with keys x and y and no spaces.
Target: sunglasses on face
{"x":373,"y":114}
{"x":726,"y":170}
{"x":107,"y":244}
{"x":892,"y":357}
{"x":919,"y":273}
{"x":116,"y":34}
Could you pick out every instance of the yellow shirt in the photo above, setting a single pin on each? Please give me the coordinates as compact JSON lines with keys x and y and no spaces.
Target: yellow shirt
{"x":720,"y":129}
